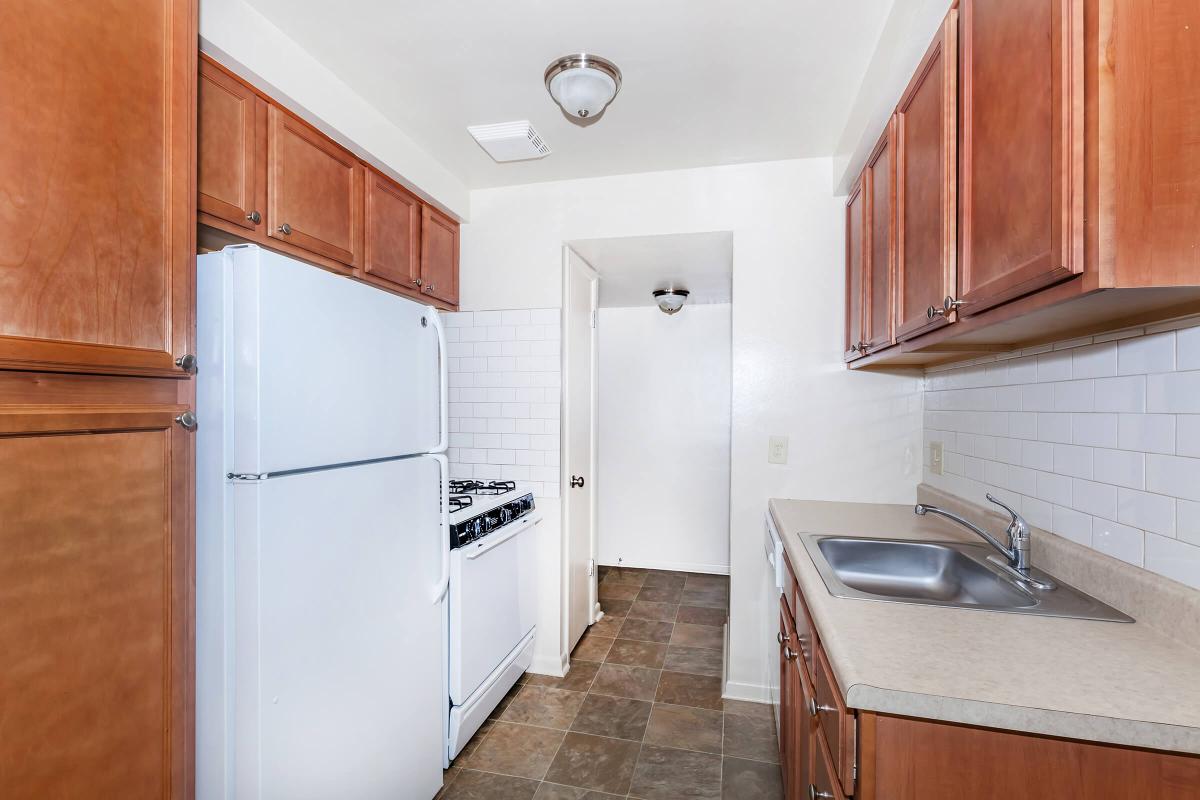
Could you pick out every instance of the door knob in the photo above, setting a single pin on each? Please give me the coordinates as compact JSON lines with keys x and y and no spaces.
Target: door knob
{"x":254,"y":217}
{"x":576,"y":482}
{"x":285,"y":229}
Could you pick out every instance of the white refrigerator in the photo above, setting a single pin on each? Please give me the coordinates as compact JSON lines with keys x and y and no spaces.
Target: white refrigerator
{"x":321,"y":539}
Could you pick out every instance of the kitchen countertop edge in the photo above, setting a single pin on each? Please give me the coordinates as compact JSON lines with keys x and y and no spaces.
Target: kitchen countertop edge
{"x":865,"y":696}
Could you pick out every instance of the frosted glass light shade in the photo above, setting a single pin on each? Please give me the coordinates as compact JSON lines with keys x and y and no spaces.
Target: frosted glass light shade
{"x":670,"y":300}
{"x":583,"y":84}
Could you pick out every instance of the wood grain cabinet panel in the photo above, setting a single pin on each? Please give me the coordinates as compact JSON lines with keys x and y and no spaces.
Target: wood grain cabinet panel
{"x":96,"y":680}
{"x":231,"y":137}
{"x":880,"y":187}
{"x":1021,"y":139}
{"x":439,"y":255}
{"x":856,"y":265}
{"x":926,"y":176}
{"x":392,"y":245}
{"x":796,"y":728}
{"x":314,"y":191}
{"x":97,"y":221}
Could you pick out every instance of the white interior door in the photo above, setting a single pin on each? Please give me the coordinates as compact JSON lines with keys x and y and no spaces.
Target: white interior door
{"x":579,"y":486}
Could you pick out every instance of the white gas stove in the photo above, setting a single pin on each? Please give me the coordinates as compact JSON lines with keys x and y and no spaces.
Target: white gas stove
{"x":492,"y":599}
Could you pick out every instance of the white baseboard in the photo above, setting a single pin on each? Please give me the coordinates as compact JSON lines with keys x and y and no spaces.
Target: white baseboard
{"x":750,"y":692}
{"x":675,"y":566}
{"x":548,"y":665}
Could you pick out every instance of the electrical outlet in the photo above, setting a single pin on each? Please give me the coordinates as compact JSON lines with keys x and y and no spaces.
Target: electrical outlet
{"x":777,"y":449}
{"x":935,"y":458}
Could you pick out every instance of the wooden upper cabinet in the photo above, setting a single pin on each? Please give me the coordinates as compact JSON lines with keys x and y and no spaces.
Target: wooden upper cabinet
{"x":392,"y":244}
{"x":97,"y":204}
{"x":314,"y":191}
{"x":95,"y":584}
{"x":880,"y":250}
{"x":1021,"y":139}
{"x":439,"y":255}
{"x":232,"y":144}
{"x":856,"y":226}
{"x":926,"y":135}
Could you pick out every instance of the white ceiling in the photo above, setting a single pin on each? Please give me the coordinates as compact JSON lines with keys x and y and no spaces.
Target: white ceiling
{"x":706,"y":82}
{"x":632,"y":267}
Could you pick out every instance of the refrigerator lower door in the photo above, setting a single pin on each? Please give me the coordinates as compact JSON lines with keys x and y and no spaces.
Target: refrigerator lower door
{"x":337,"y":641}
{"x":353,"y":369}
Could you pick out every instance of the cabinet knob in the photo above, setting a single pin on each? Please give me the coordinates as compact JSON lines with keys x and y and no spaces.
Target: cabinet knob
{"x":816,"y":794}
{"x":861,"y":347}
{"x":416,"y":281}
{"x":789,"y":654}
{"x":187,"y":420}
{"x":779,"y":637}
{"x":433,"y":287}
{"x":254,"y":217}
{"x":187,"y":363}
{"x":285,"y":229}
{"x":933,"y":312}
{"x":949,"y":304}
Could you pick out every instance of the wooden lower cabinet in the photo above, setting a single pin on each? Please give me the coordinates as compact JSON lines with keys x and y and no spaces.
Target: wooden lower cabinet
{"x":830,"y":752}
{"x":96,"y":587}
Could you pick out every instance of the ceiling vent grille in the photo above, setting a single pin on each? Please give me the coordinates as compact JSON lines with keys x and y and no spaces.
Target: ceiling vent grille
{"x":510,"y":141}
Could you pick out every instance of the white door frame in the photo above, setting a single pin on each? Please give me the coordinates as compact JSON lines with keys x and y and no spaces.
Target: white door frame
{"x":594,"y":612}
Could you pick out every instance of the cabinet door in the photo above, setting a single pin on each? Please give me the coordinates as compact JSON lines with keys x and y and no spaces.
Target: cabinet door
{"x":96,"y":686}
{"x":880,"y":185}
{"x":856,"y":226}
{"x":392,"y":245}
{"x":795,"y":726}
{"x":439,"y":256}
{"x":97,"y":198}
{"x":926,"y":174}
{"x":314,"y":191}
{"x":1021,"y":188}
{"x":231,"y":144}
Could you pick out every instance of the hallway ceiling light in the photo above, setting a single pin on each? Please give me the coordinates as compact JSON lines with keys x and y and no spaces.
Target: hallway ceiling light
{"x":583,"y":84}
{"x":670,"y":300}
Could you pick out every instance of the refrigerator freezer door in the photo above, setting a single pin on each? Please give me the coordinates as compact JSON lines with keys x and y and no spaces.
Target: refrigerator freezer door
{"x":339,"y":649}
{"x":326,"y":370}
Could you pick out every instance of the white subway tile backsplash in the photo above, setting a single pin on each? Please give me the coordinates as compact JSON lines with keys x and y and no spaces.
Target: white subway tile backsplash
{"x":1126,"y":393}
{"x":1173,"y":559}
{"x":1097,"y":499}
{"x":1119,"y":467}
{"x":1117,"y":540}
{"x":1150,"y":512}
{"x":1146,"y":354}
{"x":1148,"y":433}
{"x":1173,"y":475}
{"x":1095,"y":430}
{"x":1097,"y":439}
{"x":503,"y":366}
{"x":1094,"y":361}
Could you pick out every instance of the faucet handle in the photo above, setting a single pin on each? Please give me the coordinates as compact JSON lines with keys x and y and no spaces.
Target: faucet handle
{"x":1018,"y":528}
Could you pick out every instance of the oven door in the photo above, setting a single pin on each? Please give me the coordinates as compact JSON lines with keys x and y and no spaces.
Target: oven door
{"x":493,"y":598}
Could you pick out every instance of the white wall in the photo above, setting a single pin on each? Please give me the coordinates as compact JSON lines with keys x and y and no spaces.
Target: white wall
{"x":854,"y":436}
{"x":246,"y":42}
{"x":663,"y":435}
{"x":1095,"y":439}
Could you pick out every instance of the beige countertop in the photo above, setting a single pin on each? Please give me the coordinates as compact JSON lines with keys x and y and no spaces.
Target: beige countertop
{"x":1101,"y":681}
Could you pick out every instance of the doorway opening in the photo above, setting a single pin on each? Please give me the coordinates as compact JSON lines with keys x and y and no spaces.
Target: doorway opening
{"x":646,"y":415}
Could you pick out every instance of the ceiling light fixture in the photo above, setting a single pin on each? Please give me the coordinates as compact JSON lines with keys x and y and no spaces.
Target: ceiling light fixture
{"x":670,"y":300}
{"x":583,"y":84}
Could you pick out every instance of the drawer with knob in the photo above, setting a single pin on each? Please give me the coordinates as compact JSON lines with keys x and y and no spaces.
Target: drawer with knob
{"x":836,"y":722}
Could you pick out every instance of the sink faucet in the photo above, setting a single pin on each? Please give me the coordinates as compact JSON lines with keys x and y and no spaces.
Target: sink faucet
{"x":1017,"y":551}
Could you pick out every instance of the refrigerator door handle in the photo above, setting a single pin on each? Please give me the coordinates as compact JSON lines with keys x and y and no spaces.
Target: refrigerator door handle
{"x":443,"y":583}
{"x":443,"y":385}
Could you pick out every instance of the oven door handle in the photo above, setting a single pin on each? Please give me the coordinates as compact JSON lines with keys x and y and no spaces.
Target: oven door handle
{"x":520,"y":527}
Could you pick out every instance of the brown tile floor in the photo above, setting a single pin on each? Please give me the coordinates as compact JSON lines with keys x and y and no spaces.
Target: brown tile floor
{"x":640,"y":714}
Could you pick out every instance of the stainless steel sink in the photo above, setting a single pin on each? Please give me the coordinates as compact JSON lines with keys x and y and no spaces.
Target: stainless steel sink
{"x":955,"y":574}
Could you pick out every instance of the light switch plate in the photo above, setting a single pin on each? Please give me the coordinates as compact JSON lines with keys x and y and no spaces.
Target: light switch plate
{"x":935,"y":458}
{"x":777,"y":449}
